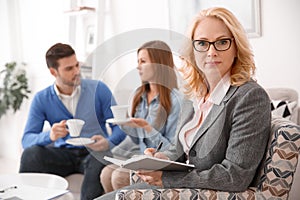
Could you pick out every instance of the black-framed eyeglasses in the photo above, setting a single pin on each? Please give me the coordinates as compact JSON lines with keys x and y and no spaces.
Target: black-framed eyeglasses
{"x":220,"y":45}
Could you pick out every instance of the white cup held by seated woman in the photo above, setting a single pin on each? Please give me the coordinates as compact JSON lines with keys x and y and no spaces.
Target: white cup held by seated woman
{"x":120,"y":112}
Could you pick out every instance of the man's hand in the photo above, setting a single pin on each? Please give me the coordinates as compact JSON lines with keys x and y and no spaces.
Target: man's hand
{"x":58,"y":130}
{"x":101,"y":143}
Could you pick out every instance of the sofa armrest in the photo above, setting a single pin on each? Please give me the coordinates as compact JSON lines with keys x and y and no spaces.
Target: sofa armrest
{"x":298,"y":116}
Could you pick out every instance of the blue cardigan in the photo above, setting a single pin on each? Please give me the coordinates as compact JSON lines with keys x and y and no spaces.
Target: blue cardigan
{"x":93,"y":107}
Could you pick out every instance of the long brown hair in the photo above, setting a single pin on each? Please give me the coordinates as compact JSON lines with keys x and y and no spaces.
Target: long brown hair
{"x":165,"y":77}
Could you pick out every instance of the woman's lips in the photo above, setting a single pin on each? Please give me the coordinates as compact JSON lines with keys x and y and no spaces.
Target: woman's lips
{"x":213,"y":62}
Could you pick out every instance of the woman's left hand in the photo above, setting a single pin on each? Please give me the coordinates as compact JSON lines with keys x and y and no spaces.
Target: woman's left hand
{"x":140,"y":123}
{"x":151,"y":177}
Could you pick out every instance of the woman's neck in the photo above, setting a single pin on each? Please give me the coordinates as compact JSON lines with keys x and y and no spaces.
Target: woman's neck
{"x":212,"y":82}
{"x":153,"y":92}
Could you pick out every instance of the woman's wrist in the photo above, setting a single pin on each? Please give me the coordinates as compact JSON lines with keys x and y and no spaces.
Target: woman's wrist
{"x":148,"y":128}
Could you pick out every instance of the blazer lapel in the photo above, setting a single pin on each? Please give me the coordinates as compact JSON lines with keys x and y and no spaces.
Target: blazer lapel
{"x":213,"y":115}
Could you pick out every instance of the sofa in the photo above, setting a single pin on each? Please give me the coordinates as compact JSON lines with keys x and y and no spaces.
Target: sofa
{"x":274,"y":179}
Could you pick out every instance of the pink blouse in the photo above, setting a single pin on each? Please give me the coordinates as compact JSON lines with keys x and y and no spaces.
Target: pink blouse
{"x":202,"y":109}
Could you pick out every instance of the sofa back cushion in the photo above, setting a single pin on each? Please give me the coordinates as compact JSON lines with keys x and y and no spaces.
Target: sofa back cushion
{"x":284,"y":103}
{"x":283,"y":109}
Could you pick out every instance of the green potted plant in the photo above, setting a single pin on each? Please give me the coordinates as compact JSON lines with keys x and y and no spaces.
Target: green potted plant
{"x":13,"y":87}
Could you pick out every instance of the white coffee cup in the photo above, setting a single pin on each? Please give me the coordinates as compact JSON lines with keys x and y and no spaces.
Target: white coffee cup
{"x":75,"y":126}
{"x":120,"y":112}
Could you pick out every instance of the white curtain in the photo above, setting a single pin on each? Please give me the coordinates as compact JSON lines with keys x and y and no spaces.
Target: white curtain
{"x":28,"y":28}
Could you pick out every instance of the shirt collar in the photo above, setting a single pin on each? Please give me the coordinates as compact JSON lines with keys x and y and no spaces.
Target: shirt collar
{"x":220,"y":90}
{"x":144,"y":97}
{"x":58,"y":93}
{"x":218,"y":93}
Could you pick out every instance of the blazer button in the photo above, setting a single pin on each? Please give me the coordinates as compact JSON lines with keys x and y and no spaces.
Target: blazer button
{"x":193,"y":153}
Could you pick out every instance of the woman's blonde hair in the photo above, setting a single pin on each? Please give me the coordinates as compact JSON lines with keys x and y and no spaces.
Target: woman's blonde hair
{"x":161,"y":56}
{"x":243,"y":67}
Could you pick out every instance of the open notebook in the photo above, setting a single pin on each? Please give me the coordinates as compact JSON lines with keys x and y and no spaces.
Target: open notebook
{"x":145,"y":162}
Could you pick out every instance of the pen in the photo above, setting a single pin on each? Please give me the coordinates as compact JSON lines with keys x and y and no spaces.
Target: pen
{"x":4,"y":190}
{"x":158,"y":147}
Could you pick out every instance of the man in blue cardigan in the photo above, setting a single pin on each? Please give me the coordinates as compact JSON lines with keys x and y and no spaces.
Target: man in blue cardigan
{"x":69,"y":97}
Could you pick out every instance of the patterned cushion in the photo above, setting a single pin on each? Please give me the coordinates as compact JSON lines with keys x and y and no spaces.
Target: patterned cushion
{"x":283,"y":108}
{"x":274,"y":180}
{"x":185,"y":194}
{"x":282,"y":159}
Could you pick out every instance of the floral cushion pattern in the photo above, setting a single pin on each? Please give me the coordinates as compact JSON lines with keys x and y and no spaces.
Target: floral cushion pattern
{"x":274,"y":179}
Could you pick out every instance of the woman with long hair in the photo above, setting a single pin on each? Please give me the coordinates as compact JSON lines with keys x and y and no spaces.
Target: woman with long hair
{"x":155,"y":107}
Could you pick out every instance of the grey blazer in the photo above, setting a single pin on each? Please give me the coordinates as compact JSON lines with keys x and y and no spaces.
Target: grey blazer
{"x":230,"y":144}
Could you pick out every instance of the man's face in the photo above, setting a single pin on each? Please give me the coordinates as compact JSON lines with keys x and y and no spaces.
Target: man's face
{"x":67,"y":73}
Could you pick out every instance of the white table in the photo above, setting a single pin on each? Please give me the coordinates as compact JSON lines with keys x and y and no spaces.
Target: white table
{"x":32,"y":186}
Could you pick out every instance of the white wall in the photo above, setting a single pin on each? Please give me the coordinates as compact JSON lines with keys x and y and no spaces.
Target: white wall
{"x":277,"y":51}
{"x":28,"y":28}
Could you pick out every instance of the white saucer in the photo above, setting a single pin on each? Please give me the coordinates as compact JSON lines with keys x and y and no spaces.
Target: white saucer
{"x":116,"y":121}
{"x":80,"y":141}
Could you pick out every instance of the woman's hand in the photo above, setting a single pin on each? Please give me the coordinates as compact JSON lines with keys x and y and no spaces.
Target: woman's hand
{"x":139,"y":123}
{"x":151,"y":177}
{"x":152,"y":152}
{"x":100,"y":144}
